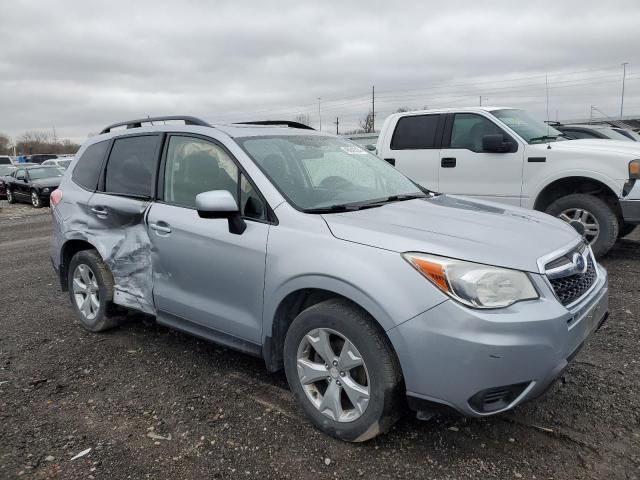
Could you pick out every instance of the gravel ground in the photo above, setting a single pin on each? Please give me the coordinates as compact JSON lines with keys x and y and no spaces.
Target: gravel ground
{"x":153,"y":403}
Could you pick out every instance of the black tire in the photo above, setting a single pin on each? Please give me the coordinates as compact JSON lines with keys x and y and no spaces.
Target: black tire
{"x":36,"y":202}
{"x":626,"y":229}
{"x":385,"y":376}
{"x":106,"y":316}
{"x":603,"y":213}
{"x":11,"y":198}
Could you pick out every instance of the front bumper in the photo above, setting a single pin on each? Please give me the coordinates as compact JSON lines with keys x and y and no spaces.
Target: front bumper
{"x":630,"y":211}
{"x":451,"y":354}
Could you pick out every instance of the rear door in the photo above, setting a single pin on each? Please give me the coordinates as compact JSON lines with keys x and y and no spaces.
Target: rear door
{"x":415,"y":146}
{"x":117,"y":214}
{"x":466,"y":169}
{"x":207,"y":280}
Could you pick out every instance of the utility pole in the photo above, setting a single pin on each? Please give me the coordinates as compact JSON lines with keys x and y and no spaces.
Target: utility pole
{"x":480,"y":100}
{"x":373,"y":108}
{"x":624,"y":74}
{"x":319,"y":114}
{"x":337,"y":124}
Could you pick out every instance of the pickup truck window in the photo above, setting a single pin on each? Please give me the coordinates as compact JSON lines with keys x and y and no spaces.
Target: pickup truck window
{"x":468,"y":130}
{"x":415,"y":132}
{"x":530,"y":129}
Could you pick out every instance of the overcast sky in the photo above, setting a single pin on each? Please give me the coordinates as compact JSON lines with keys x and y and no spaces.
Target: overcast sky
{"x":79,"y":65}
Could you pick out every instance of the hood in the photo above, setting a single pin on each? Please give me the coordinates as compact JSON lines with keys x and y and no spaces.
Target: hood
{"x":457,"y":227}
{"x":630,"y":150}
{"x":47,"y":182}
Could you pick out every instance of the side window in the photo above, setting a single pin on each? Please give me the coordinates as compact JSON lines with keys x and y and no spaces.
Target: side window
{"x":131,"y":165}
{"x":468,"y":130}
{"x":20,"y":175}
{"x":251,"y":204}
{"x":194,"y":166}
{"x":415,"y":132}
{"x":88,"y":168}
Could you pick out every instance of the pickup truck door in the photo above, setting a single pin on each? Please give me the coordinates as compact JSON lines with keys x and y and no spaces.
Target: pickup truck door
{"x":466,"y":169}
{"x":414,"y":148}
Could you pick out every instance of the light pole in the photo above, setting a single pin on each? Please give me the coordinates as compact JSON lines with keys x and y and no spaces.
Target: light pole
{"x":319,"y":114}
{"x":624,"y":74}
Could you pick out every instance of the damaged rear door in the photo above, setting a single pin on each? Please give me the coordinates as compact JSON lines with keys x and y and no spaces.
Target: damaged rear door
{"x":117,"y":218}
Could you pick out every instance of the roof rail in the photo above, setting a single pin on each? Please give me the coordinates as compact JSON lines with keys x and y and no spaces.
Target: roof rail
{"x":138,"y":123}
{"x":286,"y":123}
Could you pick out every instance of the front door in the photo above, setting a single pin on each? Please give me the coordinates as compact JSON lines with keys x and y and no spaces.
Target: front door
{"x":205,"y":279}
{"x":466,"y":169}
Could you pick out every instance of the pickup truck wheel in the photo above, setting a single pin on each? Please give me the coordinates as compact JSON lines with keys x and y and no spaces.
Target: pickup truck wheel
{"x":35,"y":199}
{"x":626,"y":229}
{"x":343,"y":371}
{"x":91,"y":291}
{"x":591,"y":216}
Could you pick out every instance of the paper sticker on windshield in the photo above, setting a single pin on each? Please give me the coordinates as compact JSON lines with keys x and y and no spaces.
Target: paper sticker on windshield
{"x":353,"y":150}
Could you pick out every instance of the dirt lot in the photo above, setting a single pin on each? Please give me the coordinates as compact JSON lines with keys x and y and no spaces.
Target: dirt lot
{"x":153,"y":403}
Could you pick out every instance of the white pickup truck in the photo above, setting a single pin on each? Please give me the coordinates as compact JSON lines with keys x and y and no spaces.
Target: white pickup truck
{"x":505,"y":155}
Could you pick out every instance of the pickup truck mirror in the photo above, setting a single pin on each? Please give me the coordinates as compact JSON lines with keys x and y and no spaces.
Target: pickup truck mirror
{"x":221,"y":204}
{"x":496,"y":144}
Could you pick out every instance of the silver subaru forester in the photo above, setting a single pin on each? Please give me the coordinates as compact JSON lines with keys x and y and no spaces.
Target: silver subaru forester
{"x":305,"y":249}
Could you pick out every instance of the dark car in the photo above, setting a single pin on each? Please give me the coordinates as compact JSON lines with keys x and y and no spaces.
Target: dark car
{"x":40,"y":157}
{"x":5,"y":170}
{"x":33,"y":184}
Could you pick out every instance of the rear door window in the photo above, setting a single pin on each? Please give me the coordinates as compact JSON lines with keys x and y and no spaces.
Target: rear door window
{"x":415,"y":132}
{"x":88,"y":168}
{"x":131,"y":165}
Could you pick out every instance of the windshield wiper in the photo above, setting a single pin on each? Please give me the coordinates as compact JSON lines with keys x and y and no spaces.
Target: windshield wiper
{"x":396,"y":198}
{"x":544,"y":137}
{"x":343,"y":207}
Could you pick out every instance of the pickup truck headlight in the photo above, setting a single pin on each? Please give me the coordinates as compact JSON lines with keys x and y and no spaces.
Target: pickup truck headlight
{"x":474,"y":284}
{"x":634,"y":169}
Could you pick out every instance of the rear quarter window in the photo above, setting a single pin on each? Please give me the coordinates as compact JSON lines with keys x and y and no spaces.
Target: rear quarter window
{"x":131,"y":165}
{"x":415,"y":132}
{"x":87,"y":170}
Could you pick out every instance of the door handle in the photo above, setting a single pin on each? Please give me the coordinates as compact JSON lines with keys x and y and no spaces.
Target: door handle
{"x":160,"y":227}
{"x":448,"y":162}
{"x":390,"y":161}
{"x":100,"y":211}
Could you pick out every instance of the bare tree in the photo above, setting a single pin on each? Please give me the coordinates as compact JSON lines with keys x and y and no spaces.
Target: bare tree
{"x":33,"y":142}
{"x":366,"y":124}
{"x":5,"y":144}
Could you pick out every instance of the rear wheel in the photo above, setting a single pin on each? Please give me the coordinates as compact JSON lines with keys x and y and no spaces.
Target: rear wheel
{"x":10,"y":197}
{"x":343,"y":371}
{"x":91,"y":291}
{"x":592,"y":218}
{"x":35,"y":199}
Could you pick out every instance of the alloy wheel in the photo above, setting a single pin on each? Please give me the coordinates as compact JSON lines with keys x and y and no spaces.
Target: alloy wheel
{"x":583,"y":221}
{"x":333,"y":375}
{"x":9,"y":196}
{"x":35,"y":200}
{"x":86,"y":291}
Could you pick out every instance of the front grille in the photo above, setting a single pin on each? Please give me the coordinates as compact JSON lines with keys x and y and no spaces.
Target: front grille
{"x":571,"y":288}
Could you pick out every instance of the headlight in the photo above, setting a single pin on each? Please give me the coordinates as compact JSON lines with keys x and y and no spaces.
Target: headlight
{"x":474,"y":284}
{"x":45,"y":190}
{"x":634,"y":169}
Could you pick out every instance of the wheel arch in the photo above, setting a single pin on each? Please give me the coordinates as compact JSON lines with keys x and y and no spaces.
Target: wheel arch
{"x":68,"y":250}
{"x":294,"y":301}
{"x":557,"y":188}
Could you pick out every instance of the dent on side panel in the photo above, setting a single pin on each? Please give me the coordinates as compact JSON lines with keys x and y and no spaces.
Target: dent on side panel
{"x":126,"y":249}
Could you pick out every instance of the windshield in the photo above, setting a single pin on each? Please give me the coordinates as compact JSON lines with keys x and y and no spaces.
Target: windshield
{"x":45,"y":172}
{"x":325,"y":173}
{"x":629,"y":134}
{"x":6,"y":169}
{"x":614,"y":134}
{"x":530,"y":129}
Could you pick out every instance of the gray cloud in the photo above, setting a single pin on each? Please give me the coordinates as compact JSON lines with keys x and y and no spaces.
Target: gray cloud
{"x":81,"y":65}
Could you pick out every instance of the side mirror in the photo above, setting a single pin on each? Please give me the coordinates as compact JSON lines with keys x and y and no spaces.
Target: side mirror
{"x":496,"y":144}
{"x":221,"y":204}
{"x":371,"y":148}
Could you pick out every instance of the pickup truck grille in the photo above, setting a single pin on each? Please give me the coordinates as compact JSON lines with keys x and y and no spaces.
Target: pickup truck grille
{"x":570,"y":288}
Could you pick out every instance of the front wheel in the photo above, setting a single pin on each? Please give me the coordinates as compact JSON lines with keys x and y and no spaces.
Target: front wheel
{"x":592,"y":218}
{"x":35,"y":199}
{"x":10,"y":197}
{"x":343,"y":371}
